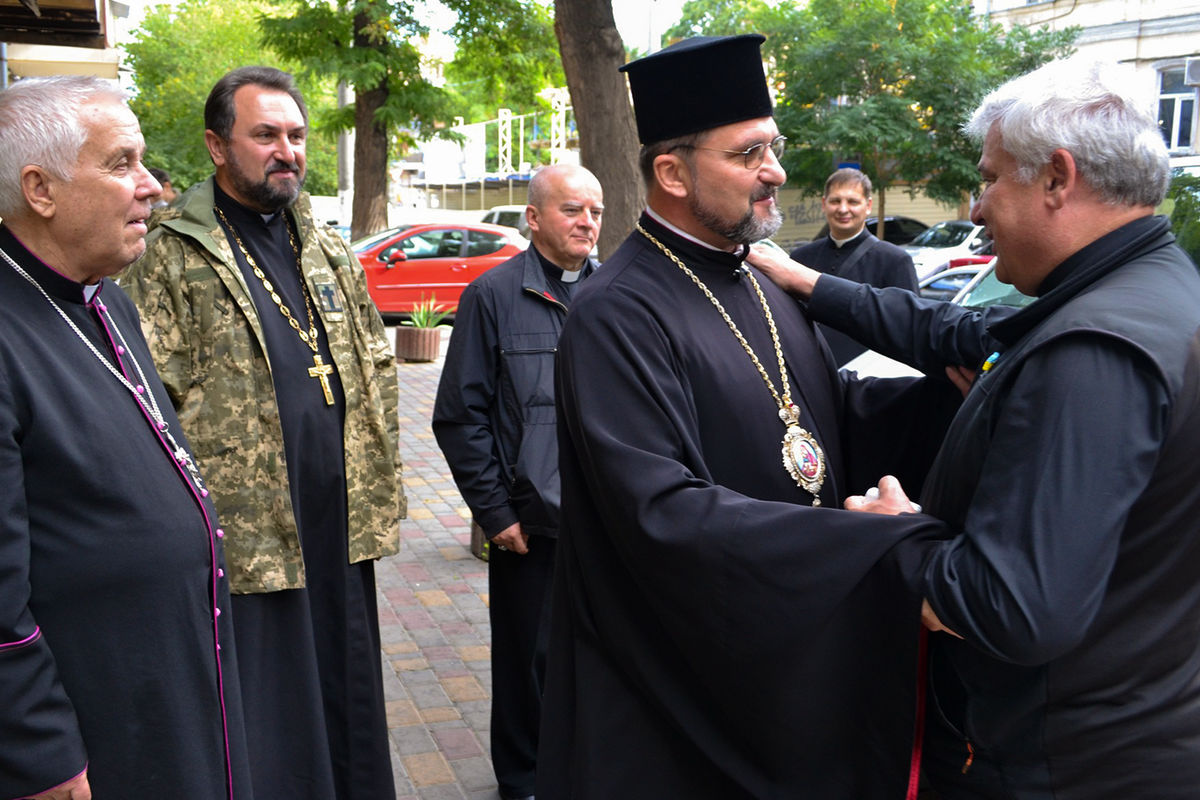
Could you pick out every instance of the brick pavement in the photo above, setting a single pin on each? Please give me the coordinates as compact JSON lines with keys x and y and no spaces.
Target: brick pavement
{"x":433,"y":621}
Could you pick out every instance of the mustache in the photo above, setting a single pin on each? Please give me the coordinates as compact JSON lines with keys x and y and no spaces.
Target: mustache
{"x":764,"y":193}
{"x":282,"y":166}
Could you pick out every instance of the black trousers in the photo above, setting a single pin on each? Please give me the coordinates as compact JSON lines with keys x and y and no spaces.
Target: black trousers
{"x":519,"y":608}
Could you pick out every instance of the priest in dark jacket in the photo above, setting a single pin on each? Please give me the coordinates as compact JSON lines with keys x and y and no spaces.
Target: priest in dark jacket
{"x":1069,"y":479}
{"x":117,"y":670}
{"x":852,"y":252}
{"x":721,"y":629}
{"x":494,"y":420}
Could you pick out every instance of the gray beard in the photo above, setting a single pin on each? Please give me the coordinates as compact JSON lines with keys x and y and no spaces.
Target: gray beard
{"x":747,"y":230}
{"x":267,"y":198}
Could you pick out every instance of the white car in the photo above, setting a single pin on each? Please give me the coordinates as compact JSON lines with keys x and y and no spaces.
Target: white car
{"x":509,"y":216}
{"x":981,"y":289}
{"x":946,"y":240}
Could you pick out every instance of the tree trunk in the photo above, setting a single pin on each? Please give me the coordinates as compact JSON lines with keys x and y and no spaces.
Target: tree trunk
{"x":592,"y":52}
{"x":369,"y":213}
{"x":880,"y":212}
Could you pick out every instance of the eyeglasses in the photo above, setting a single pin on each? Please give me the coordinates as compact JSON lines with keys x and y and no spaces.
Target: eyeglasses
{"x":753,"y":156}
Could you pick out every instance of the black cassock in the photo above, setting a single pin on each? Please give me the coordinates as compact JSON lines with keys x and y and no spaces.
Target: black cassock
{"x":110,"y":563}
{"x":714,"y":635}
{"x":310,"y":658}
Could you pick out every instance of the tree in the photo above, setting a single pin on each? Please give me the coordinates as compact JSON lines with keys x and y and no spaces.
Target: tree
{"x":178,"y":54}
{"x":506,"y":55}
{"x":719,"y":18}
{"x":1184,"y":195}
{"x":592,"y":53}
{"x":367,"y":44}
{"x":888,"y":84}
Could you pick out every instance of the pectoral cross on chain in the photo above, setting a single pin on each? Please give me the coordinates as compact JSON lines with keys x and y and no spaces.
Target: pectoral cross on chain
{"x":321,"y":371}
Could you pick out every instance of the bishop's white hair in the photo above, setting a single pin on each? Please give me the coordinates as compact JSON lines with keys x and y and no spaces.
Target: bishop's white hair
{"x":39,"y":124}
{"x":1094,"y":110}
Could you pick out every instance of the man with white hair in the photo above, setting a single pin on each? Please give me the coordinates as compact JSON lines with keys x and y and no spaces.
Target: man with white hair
{"x":117,"y":667}
{"x":1068,"y":479}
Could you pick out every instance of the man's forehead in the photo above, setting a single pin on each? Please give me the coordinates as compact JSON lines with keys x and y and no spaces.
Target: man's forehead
{"x":257,"y":106}
{"x":763,"y":127}
{"x":844,"y":188}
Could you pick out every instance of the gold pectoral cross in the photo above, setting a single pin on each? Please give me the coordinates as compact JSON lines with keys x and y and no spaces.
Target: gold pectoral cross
{"x":321,"y":371}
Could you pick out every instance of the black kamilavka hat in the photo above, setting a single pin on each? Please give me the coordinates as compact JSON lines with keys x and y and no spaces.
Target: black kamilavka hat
{"x":698,"y":84}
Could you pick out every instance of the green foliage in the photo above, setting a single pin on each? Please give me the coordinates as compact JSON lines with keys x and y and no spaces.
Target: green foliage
{"x":368,"y":45}
{"x":1185,"y":216}
{"x":885,"y":83}
{"x":719,"y":18}
{"x":507,"y":53}
{"x":178,"y":54}
{"x":426,"y":313}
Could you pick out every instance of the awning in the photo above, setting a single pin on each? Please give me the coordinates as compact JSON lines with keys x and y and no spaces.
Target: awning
{"x":75,"y":23}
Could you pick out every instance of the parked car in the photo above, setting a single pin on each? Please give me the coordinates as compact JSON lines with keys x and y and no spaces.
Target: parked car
{"x":415,"y":263}
{"x":510,"y":216}
{"x":897,"y":230}
{"x":954,"y":238}
{"x":947,"y":284}
{"x":981,"y":290}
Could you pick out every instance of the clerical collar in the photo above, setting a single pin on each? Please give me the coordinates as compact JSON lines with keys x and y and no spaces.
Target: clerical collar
{"x":1083,"y":268}
{"x":736,"y":249}
{"x":239,"y":213}
{"x":839,"y":242}
{"x":556,"y":272}
{"x":54,"y":282}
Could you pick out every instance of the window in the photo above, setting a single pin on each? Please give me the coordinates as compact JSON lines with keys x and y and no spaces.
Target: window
{"x":427,"y":244}
{"x":484,"y":244}
{"x":1176,"y":109}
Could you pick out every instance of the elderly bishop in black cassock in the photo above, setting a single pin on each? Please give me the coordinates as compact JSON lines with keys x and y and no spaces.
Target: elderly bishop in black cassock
{"x":721,"y":629}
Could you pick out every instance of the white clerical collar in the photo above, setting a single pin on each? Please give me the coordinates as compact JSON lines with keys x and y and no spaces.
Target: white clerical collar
{"x":89,"y":291}
{"x":839,"y":242}
{"x":685,"y":235}
{"x":571,"y":275}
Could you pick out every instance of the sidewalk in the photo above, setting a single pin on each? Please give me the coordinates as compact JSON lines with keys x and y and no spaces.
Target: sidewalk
{"x":433,"y":621}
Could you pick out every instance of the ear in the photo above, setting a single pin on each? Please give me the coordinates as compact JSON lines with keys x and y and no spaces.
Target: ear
{"x":216,"y":147}
{"x":531,"y":217}
{"x":672,"y":174}
{"x":39,"y":190}
{"x":1060,"y":178}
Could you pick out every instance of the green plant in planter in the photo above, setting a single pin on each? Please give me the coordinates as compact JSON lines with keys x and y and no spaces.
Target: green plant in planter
{"x":426,"y":313}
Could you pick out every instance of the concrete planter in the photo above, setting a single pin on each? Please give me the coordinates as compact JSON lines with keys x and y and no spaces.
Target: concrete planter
{"x":418,"y":344}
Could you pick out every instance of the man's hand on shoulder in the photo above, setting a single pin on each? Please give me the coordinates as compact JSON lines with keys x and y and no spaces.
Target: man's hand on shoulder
{"x":512,"y":538}
{"x":77,"y":788}
{"x":791,"y":276}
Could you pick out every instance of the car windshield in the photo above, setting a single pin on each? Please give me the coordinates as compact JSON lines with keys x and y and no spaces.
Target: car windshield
{"x":944,"y":234}
{"x":989,"y":291}
{"x":367,"y":242}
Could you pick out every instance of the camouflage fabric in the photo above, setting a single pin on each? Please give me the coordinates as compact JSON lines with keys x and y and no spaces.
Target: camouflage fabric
{"x":207,"y":342}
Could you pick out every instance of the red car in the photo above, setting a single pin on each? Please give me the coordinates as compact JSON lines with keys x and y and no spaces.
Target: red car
{"x":412,"y":264}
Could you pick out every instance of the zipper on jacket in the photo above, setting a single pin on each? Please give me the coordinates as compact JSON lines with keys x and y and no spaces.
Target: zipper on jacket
{"x":547,"y":298}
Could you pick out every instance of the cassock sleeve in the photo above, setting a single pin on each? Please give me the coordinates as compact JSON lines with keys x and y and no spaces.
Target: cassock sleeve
{"x":462,"y":412}
{"x":730,"y":578}
{"x":1026,"y":577}
{"x":927,"y":334}
{"x":894,"y":426}
{"x":40,"y":743}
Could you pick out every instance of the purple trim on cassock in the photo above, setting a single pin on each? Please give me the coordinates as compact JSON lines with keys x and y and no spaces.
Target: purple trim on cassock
{"x":212,"y":548}
{"x":30,"y":639}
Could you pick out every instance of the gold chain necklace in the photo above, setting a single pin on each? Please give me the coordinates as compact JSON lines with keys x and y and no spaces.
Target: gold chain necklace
{"x":802,"y":456}
{"x":319,"y":370}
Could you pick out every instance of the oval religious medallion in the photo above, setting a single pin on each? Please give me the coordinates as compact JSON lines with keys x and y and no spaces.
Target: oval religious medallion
{"x":804,"y":460}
